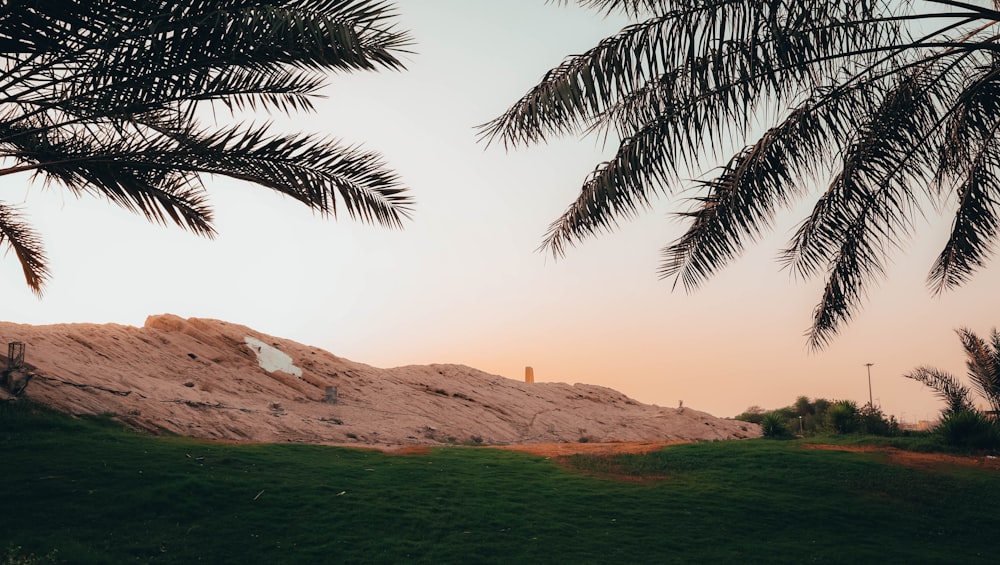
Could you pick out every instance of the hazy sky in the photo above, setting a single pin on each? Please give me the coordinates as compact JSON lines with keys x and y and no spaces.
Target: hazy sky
{"x":463,"y":283}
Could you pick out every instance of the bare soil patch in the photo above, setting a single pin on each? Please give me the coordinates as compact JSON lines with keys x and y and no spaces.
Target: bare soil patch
{"x":590,"y":448}
{"x":894,"y":455}
{"x":928,"y":461}
{"x":409,"y":450}
{"x":918,"y":460}
{"x":560,"y":452}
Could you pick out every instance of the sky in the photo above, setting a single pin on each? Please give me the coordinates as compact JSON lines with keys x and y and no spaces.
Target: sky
{"x":463,"y":282}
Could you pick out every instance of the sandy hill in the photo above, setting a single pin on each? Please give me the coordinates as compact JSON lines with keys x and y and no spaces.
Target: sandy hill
{"x":217,"y":380}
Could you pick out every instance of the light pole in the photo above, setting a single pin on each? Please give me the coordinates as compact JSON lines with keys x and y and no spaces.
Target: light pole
{"x":871,"y":404}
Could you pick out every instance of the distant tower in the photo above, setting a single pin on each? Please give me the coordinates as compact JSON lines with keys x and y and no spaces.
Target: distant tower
{"x":529,"y":375}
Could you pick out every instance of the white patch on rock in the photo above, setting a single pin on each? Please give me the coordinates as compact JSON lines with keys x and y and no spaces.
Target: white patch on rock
{"x":271,"y":358}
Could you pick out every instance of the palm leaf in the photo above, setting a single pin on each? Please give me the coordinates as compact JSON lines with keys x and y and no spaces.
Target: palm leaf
{"x":946,"y":386}
{"x":971,"y":155}
{"x":983,"y":371}
{"x":315,"y":171}
{"x":741,"y":201}
{"x":704,"y":48}
{"x":868,"y":207}
{"x":884,"y":86}
{"x":15,"y":234}
{"x":629,"y":7}
{"x":974,"y":228}
{"x":675,"y":118}
{"x":105,"y":98}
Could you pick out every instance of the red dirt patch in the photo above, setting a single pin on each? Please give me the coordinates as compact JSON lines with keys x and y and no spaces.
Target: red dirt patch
{"x":410,"y":450}
{"x":560,"y":452}
{"x":596,"y":448}
{"x":895,"y":456}
{"x":915,"y":459}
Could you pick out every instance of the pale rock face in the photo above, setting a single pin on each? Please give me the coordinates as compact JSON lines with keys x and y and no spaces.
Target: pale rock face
{"x":272,"y":359}
{"x":218,"y":380}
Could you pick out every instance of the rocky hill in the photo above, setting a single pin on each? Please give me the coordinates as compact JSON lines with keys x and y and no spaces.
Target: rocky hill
{"x":216,"y":380}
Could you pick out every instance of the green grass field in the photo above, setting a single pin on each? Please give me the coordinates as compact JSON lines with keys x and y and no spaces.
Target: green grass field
{"x":89,"y":491}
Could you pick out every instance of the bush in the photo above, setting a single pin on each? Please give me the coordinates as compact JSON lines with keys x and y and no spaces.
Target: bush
{"x":753,"y":414}
{"x":772,"y":425}
{"x":820,"y":416}
{"x":804,"y":407}
{"x":969,"y":429}
{"x":842,"y":416}
{"x":872,"y":421}
{"x":820,"y":406}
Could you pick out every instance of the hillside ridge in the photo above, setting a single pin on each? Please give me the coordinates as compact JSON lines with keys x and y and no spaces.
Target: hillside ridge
{"x":218,"y":380}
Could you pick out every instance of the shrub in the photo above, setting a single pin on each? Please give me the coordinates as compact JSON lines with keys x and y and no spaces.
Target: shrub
{"x":808,"y":417}
{"x":969,"y":429}
{"x":773,"y":425}
{"x":871,"y":420}
{"x":753,"y":414}
{"x":820,"y":406}
{"x":803,"y":406}
{"x":842,"y":416}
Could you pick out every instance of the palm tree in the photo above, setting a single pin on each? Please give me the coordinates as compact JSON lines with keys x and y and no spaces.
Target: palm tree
{"x":882,"y":105}
{"x":983,"y":363}
{"x":110,"y":98}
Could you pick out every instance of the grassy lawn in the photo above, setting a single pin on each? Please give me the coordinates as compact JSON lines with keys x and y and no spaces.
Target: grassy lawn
{"x":93,"y":492}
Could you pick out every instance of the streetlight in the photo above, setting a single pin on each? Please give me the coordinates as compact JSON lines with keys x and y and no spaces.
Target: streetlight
{"x":871,"y":403}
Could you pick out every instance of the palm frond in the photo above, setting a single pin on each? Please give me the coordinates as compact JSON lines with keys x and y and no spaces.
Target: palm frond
{"x":15,"y":234}
{"x":884,"y":87}
{"x":318,"y":172}
{"x":214,"y":49}
{"x":619,"y":188}
{"x":761,"y":48}
{"x":972,"y":154}
{"x":157,"y":176}
{"x":238,"y":88}
{"x":869,"y":206}
{"x":974,"y":229}
{"x":983,"y":371}
{"x":995,"y":343}
{"x":347,"y":34}
{"x":633,"y":8}
{"x":741,"y":201}
{"x":105,"y":97}
{"x":946,"y":386}
{"x":875,"y":163}
{"x":675,"y":118}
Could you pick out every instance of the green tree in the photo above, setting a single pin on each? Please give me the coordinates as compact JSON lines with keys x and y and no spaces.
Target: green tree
{"x":842,"y":416}
{"x":983,"y":370}
{"x":820,"y":406}
{"x":803,"y":406}
{"x":109,"y":97}
{"x":884,"y":106}
{"x":871,"y":420}
{"x":754,"y":414}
